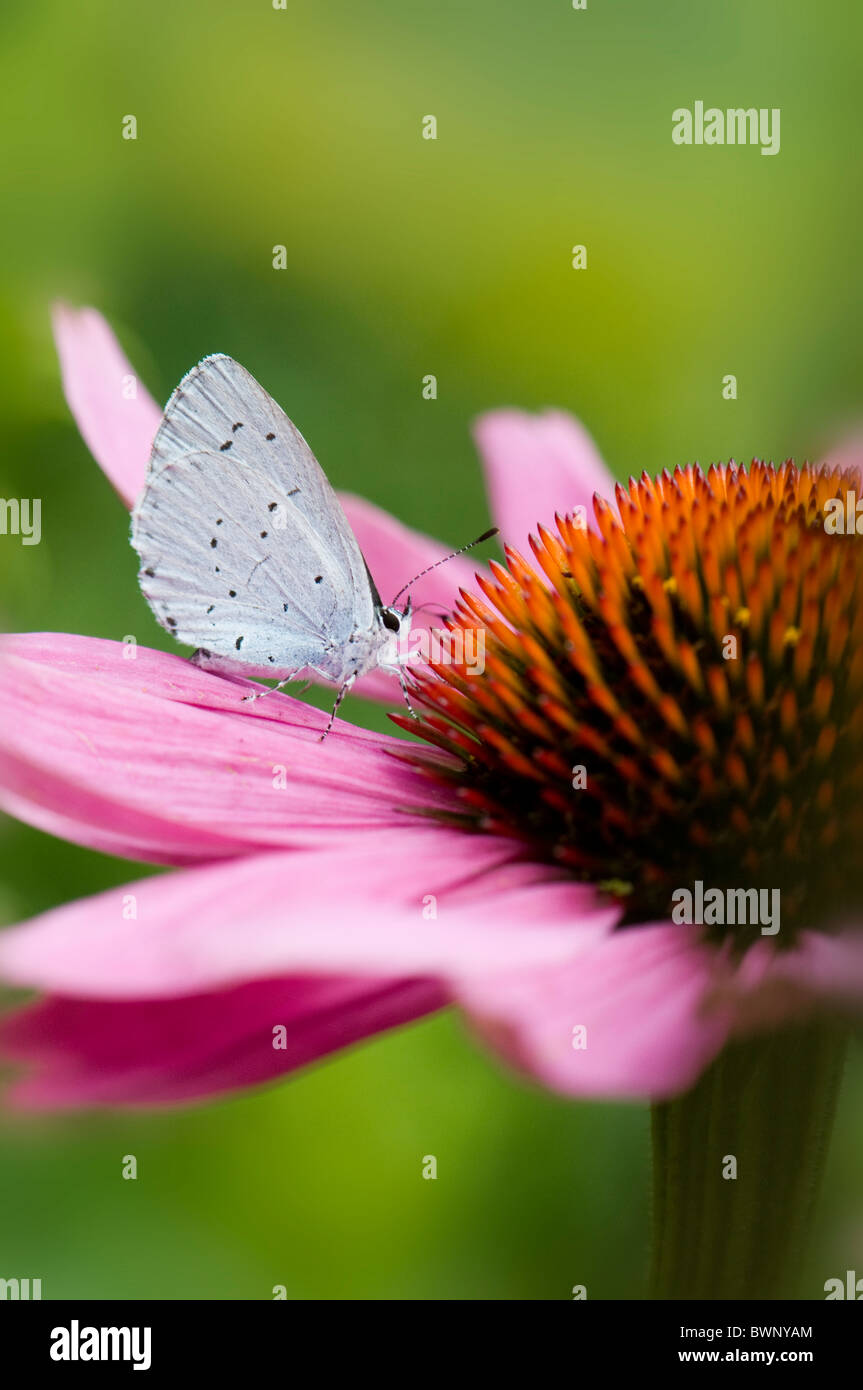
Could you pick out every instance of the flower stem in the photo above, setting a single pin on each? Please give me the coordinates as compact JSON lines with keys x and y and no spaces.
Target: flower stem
{"x":768,"y":1104}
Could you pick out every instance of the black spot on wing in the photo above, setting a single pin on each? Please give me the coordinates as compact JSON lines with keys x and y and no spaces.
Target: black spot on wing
{"x":238,"y":643}
{"x":269,"y":436}
{"x":227,"y":445}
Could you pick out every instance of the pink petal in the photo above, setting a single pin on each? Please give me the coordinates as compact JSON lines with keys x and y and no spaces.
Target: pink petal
{"x":155,"y":759}
{"x":773,"y":987}
{"x":394,"y":554}
{"x":536,"y":465}
{"x":119,"y":432}
{"x":364,"y":907}
{"x":846,"y":451}
{"x":166,"y":1051}
{"x":639,"y":994}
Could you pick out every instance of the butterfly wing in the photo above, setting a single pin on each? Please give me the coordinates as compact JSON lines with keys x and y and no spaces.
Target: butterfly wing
{"x":219,"y":407}
{"x":245,"y":550}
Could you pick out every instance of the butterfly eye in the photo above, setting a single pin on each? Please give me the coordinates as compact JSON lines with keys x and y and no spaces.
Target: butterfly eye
{"x":390,"y":620}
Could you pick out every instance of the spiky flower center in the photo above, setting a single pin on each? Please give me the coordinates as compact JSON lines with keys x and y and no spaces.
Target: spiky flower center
{"x":675,"y":697}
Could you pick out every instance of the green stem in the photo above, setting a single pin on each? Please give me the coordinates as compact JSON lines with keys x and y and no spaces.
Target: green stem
{"x":768,"y":1103}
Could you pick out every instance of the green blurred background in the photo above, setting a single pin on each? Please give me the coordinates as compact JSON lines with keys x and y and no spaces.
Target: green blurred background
{"x":405,"y":257}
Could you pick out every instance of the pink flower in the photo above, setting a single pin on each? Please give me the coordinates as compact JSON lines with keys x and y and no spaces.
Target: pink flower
{"x":321,"y":893}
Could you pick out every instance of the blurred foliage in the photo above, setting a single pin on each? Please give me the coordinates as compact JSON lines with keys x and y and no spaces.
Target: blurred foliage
{"x":302,"y":127}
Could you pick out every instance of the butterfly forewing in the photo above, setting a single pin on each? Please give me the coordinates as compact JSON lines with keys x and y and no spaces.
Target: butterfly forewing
{"x":220,"y":408}
{"x":245,"y":550}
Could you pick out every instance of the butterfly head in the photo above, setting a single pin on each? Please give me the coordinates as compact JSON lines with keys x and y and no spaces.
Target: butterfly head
{"x":397,"y":624}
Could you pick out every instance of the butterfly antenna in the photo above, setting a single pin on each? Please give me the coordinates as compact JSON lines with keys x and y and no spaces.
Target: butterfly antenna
{"x":435,"y":608}
{"x":486,"y":536}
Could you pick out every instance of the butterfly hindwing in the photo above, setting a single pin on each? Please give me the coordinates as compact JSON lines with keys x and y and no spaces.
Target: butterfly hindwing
{"x":231,"y":564}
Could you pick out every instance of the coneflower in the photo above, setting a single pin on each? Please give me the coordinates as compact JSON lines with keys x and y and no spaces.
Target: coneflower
{"x":672,"y":696}
{"x":667,"y":704}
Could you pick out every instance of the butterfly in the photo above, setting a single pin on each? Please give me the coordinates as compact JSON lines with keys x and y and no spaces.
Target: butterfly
{"x":245,"y":551}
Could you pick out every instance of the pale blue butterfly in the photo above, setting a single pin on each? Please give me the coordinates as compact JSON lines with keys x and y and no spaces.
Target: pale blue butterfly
{"x":246,"y":553}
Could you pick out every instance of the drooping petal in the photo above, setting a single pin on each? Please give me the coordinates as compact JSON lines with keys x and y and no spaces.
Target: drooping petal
{"x":142,"y":754}
{"x":846,"y":452}
{"x":637,"y":994}
{"x":820,"y":972}
{"x":425,"y":901}
{"x":88,"y":1052}
{"x":536,"y":465}
{"x":118,"y":420}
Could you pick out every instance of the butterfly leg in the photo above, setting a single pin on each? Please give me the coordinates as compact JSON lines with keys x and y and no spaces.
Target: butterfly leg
{"x":403,"y":683}
{"x":269,"y":689}
{"x":229,"y":670}
{"x":341,"y":695}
